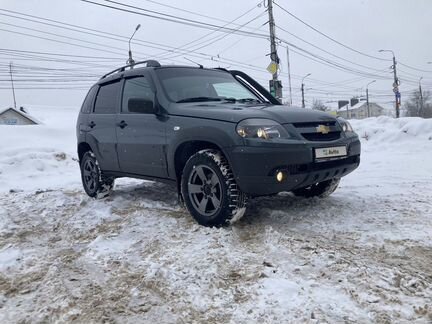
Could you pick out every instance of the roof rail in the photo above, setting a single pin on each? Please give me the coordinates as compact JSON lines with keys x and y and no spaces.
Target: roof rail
{"x":150,"y":63}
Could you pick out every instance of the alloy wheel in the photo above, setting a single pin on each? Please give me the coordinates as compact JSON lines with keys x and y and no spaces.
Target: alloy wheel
{"x":90,"y":174}
{"x":204,"y":189}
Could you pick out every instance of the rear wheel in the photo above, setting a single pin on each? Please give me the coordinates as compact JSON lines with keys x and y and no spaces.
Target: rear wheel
{"x":95,"y":184}
{"x":209,"y":190}
{"x":320,"y":189}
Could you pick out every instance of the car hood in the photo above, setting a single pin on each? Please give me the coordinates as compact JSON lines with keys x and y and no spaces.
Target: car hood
{"x":233,"y":112}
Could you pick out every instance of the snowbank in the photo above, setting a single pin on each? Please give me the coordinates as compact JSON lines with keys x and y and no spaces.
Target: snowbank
{"x":390,"y":130}
{"x":40,"y":156}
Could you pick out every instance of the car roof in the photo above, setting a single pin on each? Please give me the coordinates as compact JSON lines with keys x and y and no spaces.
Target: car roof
{"x":121,"y":72}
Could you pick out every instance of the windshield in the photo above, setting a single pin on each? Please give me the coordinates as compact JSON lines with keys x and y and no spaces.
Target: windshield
{"x":194,"y":85}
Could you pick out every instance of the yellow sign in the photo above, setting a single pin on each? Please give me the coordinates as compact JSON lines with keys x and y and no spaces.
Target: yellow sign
{"x":272,"y":68}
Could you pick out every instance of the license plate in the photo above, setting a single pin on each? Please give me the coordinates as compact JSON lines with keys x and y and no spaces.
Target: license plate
{"x":330,"y":152}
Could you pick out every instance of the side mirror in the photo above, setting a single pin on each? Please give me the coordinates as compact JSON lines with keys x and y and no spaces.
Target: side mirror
{"x":141,"y":106}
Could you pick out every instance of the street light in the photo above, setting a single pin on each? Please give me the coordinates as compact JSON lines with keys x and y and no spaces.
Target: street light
{"x":131,"y":61}
{"x":302,"y":89}
{"x":385,"y":50}
{"x":395,"y":83}
{"x":367,"y":96}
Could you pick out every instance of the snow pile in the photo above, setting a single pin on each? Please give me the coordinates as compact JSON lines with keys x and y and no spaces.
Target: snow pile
{"x":389,"y":130}
{"x":40,"y":156}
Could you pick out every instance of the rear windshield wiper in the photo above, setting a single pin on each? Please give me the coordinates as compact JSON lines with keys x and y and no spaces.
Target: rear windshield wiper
{"x":198,"y":99}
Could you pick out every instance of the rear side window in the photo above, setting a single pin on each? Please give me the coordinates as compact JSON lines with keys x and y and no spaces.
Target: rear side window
{"x":136,"y":88}
{"x":107,"y":98}
{"x":88,"y":101}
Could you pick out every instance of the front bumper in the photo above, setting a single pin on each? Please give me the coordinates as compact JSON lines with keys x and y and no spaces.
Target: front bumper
{"x":255,"y":167}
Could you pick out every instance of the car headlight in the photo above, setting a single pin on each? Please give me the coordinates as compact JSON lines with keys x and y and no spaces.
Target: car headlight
{"x":346,"y":126}
{"x":265,"y":129}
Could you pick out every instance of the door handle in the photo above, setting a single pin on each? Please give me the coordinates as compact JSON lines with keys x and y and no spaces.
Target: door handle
{"x":122,"y":124}
{"x":92,"y":124}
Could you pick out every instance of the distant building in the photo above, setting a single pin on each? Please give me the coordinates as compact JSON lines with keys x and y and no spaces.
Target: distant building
{"x":12,"y":116}
{"x":360,"y":110}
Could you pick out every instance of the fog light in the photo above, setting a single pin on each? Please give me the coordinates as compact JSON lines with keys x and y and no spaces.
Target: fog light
{"x":280,"y":176}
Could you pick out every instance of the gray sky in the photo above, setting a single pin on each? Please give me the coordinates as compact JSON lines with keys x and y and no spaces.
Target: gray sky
{"x":365,"y":25}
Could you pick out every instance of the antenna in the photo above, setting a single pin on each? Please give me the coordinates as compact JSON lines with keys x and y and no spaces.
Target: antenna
{"x":200,"y":65}
{"x":131,"y":61}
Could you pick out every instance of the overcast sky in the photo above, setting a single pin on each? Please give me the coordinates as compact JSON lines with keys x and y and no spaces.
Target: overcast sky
{"x":364,"y":25}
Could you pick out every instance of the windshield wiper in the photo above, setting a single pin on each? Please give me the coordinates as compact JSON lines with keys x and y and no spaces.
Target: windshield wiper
{"x":248,"y":100}
{"x":244,"y":100}
{"x":198,"y":99}
{"x":230,"y":99}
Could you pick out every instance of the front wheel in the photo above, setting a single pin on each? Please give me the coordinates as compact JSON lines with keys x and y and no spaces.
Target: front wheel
{"x":321,"y":189}
{"x":209,"y":190}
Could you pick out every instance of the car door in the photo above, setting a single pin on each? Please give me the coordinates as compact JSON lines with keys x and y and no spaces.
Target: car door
{"x":140,"y":132}
{"x":102,"y":135}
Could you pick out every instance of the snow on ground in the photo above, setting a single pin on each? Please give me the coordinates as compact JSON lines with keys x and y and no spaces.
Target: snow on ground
{"x":362,"y":255}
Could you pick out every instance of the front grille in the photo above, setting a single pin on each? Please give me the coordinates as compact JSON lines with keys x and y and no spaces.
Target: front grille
{"x":309,"y":131}
{"x":314,"y":124}
{"x":332,"y":136}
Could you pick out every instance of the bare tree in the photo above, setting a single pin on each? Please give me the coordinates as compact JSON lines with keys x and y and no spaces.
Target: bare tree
{"x":319,"y":105}
{"x":419,"y":105}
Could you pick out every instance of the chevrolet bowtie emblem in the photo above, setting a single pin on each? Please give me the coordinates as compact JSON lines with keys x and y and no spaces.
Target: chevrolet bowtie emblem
{"x":323,"y":129}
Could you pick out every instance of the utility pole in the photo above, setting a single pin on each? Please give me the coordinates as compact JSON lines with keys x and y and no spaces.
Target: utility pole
{"x":367,"y":97}
{"x":13,"y":89}
{"x":289,"y":76}
{"x":303,"y":89}
{"x":421,"y":98}
{"x":396,"y":84}
{"x":275,"y":84}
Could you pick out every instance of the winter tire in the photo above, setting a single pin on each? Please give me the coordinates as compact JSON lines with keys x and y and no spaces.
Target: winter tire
{"x":95,"y":184}
{"x":209,"y":190}
{"x":321,"y":189}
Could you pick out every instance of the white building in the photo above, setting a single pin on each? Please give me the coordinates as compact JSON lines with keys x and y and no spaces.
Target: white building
{"x":360,"y":110}
{"x":12,"y":116}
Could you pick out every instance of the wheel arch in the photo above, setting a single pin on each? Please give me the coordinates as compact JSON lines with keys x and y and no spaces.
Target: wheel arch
{"x":83,"y":147}
{"x":188,"y":148}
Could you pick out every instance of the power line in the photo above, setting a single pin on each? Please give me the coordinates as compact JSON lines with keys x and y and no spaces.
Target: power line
{"x":327,"y":52}
{"x":58,"y":54}
{"x":76,"y":26}
{"x":185,"y":46}
{"x":200,"y":54}
{"x":413,"y":68}
{"x":328,"y":37}
{"x":172,"y":18}
{"x":330,"y":63}
{"x":192,"y":12}
{"x":93,"y":32}
{"x":219,"y":37}
{"x":213,"y":26}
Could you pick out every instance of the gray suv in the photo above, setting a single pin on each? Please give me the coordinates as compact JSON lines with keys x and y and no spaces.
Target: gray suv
{"x":217,"y":135}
